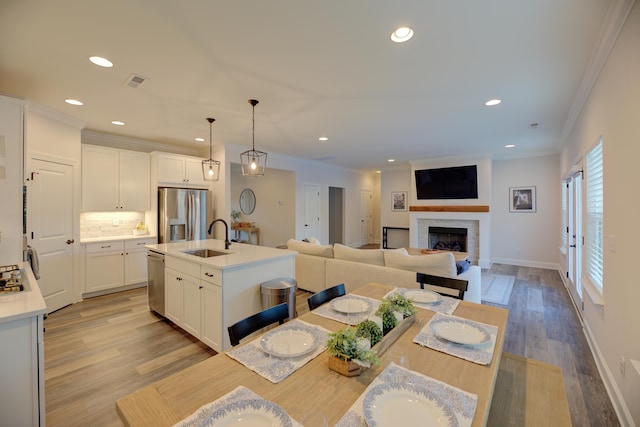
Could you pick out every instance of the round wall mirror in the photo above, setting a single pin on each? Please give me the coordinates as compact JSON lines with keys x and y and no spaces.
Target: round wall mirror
{"x":247,"y":201}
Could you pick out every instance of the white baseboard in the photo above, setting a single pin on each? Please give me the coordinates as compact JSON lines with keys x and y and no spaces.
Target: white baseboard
{"x":624,"y":415}
{"x":526,"y":263}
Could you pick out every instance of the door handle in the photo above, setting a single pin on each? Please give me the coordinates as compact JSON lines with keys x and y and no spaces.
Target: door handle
{"x":70,"y":241}
{"x":572,"y":246}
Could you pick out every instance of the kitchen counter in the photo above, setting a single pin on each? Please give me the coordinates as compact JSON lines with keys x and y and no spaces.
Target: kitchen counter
{"x":20,"y":305}
{"x":239,"y":254}
{"x":85,"y":240}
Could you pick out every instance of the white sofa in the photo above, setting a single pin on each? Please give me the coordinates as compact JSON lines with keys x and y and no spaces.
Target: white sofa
{"x":322,"y":266}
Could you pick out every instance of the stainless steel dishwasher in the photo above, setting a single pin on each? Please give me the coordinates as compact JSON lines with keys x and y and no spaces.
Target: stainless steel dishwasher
{"x":155,"y":281}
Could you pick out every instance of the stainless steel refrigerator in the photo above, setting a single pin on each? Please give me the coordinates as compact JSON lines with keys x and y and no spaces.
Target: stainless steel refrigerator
{"x":182,"y":214}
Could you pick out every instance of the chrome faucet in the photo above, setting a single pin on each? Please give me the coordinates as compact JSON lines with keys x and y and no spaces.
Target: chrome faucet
{"x":227,"y":243}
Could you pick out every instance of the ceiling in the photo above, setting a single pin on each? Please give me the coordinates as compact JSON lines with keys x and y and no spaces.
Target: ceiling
{"x":318,"y":68}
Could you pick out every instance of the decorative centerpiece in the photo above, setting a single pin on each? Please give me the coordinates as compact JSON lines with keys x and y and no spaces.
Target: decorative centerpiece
{"x":401,"y":304}
{"x":349,"y":353}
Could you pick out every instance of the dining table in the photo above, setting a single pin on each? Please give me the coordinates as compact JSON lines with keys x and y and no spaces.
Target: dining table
{"x":314,"y":387}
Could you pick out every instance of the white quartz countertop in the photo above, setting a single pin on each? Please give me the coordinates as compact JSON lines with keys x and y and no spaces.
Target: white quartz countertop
{"x":238,"y":254}
{"x":28,"y":303}
{"x":113,"y":238}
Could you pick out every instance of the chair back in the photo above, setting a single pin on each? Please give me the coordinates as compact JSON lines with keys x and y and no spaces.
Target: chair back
{"x":319,"y":298}
{"x":257,"y":321}
{"x":444,"y":282}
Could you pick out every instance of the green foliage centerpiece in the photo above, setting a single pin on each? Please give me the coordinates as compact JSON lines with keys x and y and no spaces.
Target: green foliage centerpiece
{"x":348,"y":352}
{"x":394,"y":303}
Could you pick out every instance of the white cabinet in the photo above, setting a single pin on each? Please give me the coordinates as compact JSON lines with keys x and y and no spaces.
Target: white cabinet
{"x":22,"y":372}
{"x":193,"y":300}
{"x":115,"y":180}
{"x":179,"y":170}
{"x":115,"y":264}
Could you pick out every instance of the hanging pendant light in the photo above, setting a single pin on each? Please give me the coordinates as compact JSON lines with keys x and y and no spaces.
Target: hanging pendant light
{"x":254,"y":162}
{"x":210,"y":168}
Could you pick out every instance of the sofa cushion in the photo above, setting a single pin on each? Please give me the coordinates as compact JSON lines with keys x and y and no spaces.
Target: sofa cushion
{"x":365,"y":256}
{"x":440,"y":264}
{"x":310,"y":248}
{"x":462,"y":266}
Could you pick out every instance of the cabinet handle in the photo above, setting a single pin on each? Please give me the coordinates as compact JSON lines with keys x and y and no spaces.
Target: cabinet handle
{"x":105,"y":247}
{"x":208,"y":274}
{"x":201,"y":287}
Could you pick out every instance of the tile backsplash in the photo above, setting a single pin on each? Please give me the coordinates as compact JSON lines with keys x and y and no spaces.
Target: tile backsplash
{"x":107,"y":224}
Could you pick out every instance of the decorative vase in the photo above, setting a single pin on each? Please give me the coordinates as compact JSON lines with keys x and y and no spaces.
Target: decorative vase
{"x":344,"y":367}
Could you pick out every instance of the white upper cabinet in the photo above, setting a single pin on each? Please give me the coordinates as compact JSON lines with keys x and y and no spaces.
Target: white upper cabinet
{"x":115,"y":180}
{"x":183,"y":171}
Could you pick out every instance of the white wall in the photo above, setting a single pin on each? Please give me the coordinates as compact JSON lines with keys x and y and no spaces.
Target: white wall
{"x":11,"y":116}
{"x":530,"y":239}
{"x":275,"y":212}
{"x":326,"y":175}
{"x":613,"y":111}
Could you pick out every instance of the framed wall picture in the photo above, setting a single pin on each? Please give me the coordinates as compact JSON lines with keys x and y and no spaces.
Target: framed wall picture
{"x":522,"y":199}
{"x":398,"y":201}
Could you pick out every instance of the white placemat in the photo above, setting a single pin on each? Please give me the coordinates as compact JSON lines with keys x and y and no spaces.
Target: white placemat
{"x":274,"y":368}
{"x":446,"y":305}
{"x":241,"y":397}
{"x":481,"y":354}
{"x":325,"y":310}
{"x":462,"y":403}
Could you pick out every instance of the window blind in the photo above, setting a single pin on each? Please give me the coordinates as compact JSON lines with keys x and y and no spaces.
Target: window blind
{"x":594,"y":233}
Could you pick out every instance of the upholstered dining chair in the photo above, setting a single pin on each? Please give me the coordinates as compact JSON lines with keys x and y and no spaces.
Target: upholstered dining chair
{"x":444,"y":282}
{"x":319,"y":298}
{"x":257,"y":321}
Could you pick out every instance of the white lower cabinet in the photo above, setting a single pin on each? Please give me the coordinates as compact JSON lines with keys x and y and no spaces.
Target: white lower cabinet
{"x":193,"y":303}
{"x":115,"y":264}
{"x":22,"y":372}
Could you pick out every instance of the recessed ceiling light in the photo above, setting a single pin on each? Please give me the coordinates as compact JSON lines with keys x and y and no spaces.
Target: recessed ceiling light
{"x":492,"y":102}
{"x":323,"y":138}
{"x":509,"y":145}
{"x":102,"y":62}
{"x":402,"y":34}
{"x":117,"y":123}
{"x":73,"y":102}
{"x":391,"y":160}
{"x":200,"y":139}
{"x":378,"y":171}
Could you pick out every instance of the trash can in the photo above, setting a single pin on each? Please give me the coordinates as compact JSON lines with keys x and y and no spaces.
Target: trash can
{"x":277,"y":291}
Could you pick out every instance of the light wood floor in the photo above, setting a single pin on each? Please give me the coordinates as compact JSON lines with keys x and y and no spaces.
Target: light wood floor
{"x":106,"y":347}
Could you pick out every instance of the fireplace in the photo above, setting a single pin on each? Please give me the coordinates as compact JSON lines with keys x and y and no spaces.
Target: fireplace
{"x":448,"y":238}
{"x":466,"y":232}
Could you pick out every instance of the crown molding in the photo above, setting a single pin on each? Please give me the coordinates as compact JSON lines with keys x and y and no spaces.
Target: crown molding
{"x":611,"y":27}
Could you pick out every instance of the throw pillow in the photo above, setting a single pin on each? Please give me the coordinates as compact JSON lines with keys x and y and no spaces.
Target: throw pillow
{"x":462,"y":266}
{"x":310,"y":248}
{"x":365,"y":256}
{"x":440,"y":264}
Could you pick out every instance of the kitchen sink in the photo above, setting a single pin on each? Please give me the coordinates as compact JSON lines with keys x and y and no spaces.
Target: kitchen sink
{"x":205,"y":253}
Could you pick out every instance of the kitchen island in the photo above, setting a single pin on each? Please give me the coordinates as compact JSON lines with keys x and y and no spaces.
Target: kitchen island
{"x":206,"y":294}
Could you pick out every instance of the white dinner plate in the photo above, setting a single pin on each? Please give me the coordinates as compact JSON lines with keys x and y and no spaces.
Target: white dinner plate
{"x":250,"y":412}
{"x":459,"y":331}
{"x":422,"y":296}
{"x":350,"y":305}
{"x":288,"y":342}
{"x":408,"y":405}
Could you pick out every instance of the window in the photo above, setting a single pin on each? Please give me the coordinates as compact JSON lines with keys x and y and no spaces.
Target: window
{"x":594,"y":233}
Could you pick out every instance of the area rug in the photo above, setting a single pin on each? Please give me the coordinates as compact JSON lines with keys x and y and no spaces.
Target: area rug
{"x":497,"y":288}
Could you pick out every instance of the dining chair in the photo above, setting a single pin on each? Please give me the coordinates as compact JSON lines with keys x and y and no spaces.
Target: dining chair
{"x":444,"y":282}
{"x":319,"y":298}
{"x":246,"y":326}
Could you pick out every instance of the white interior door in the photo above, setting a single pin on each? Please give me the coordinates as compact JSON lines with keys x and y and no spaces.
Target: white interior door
{"x":574,"y":226}
{"x":50,"y":229}
{"x":312,"y":211}
{"x":366,"y":217}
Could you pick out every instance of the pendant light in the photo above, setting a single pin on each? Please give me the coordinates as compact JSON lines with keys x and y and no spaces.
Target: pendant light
{"x":210,"y":168}
{"x":254,"y":162}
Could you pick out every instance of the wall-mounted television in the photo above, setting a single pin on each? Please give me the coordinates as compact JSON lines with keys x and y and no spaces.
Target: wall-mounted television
{"x":459,"y":182}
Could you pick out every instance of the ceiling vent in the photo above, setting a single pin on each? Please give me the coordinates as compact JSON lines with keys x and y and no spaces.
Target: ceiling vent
{"x":135,"y":80}
{"x":325,"y":158}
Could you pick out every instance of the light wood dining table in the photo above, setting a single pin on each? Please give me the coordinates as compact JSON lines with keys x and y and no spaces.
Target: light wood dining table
{"x":314,"y":387}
